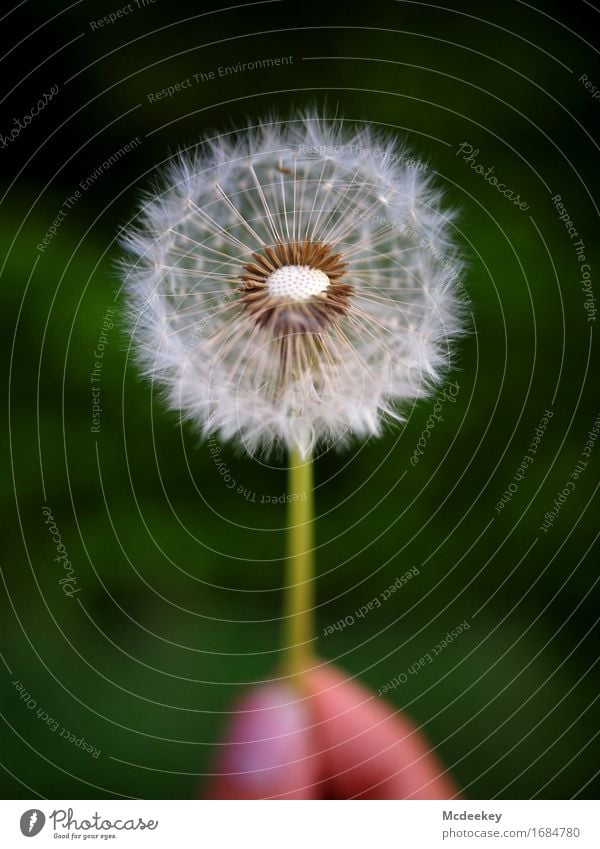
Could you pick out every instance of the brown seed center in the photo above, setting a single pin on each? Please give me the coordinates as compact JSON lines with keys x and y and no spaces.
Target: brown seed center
{"x":295,"y":287}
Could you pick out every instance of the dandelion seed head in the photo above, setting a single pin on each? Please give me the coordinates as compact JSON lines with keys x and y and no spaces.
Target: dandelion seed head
{"x":294,"y":284}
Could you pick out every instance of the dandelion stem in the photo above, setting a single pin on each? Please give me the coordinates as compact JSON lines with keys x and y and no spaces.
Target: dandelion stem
{"x":299,"y":586}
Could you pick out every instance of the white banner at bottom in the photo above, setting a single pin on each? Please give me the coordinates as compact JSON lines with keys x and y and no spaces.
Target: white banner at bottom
{"x":305,"y":825}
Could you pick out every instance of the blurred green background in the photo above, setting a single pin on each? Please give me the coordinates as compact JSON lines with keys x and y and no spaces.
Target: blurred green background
{"x":179,"y":579}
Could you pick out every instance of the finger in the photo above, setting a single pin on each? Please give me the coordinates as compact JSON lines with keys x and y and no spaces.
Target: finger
{"x":367,"y":749}
{"x":266,"y":753}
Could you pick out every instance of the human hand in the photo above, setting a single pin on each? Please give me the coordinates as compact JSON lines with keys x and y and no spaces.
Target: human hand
{"x":329,"y":737}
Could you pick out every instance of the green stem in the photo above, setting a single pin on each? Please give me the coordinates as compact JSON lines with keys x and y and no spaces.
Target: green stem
{"x":298,"y":620}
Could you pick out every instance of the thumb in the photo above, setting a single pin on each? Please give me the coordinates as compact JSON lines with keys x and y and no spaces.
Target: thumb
{"x":266,"y":750}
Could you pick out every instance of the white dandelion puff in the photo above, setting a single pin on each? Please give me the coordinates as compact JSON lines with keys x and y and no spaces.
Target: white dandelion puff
{"x":294,"y":285}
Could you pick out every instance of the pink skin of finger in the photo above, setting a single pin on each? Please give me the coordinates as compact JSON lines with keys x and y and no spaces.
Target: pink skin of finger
{"x":329,"y":738}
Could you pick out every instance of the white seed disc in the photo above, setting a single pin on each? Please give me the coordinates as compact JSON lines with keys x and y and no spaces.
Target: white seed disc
{"x":296,"y":282}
